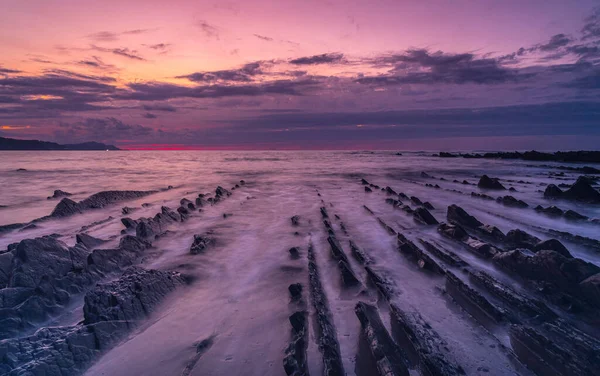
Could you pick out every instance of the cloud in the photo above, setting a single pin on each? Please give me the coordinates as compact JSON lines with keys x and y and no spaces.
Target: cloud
{"x":420,"y":66}
{"x":124,"y":52}
{"x":557,"y":41}
{"x":243,"y":74}
{"x":209,"y":30}
{"x":148,"y":115}
{"x":107,"y":129}
{"x":328,"y":58}
{"x":591,"y":28}
{"x":8,"y":71}
{"x":109,"y":36}
{"x":103,"y":36}
{"x":154,"y":91}
{"x":158,"y":46}
{"x":159,"y":107}
{"x":262,"y":37}
{"x":96,"y":62}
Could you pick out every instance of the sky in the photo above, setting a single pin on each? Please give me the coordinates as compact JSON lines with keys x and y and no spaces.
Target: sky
{"x":329,"y":74}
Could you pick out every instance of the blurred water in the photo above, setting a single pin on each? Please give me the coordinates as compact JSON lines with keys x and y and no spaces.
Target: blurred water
{"x":241,"y":291}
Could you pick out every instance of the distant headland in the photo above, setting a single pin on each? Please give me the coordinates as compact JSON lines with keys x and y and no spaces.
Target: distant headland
{"x":14,"y":144}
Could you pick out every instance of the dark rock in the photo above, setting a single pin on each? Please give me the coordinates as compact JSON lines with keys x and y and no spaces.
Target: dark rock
{"x":552,"y":191}
{"x":428,"y":205}
{"x":295,"y":220}
{"x":458,"y":215}
{"x":129,"y":223}
{"x":67,"y":207}
{"x":295,"y":291}
{"x":386,"y":354}
{"x":89,"y":241}
{"x":573,"y":215}
{"x":222,"y":192}
{"x":532,"y":308}
{"x":472,"y":301}
{"x":326,"y":333}
{"x":294,"y":252}
{"x":295,"y":360}
{"x":552,"y":245}
{"x":200,"y":243}
{"x":427,"y":349}
{"x":590,"y":288}
{"x":486,"y":182}
{"x":512,"y":202}
{"x":550,"y":210}
{"x":358,"y":254}
{"x":582,"y":191}
{"x":324,"y":213}
{"x":364,"y":182}
{"x":424,"y":216}
{"x":423,"y":260}
{"x":453,"y":231}
{"x":131,"y":297}
{"x":416,"y":200}
{"x":444,"y":154}
{"x":127,"y":210}
{"x":390,"y":191}
{"x":546,"y":357}
{"x":521,"y":239}
{"x":367,"y":189}
{"x":512,"y":189}
{"x":58,"y":194}
{"x":187,"y":204}
{"x":383,"y":285}
{"x":445,"y":255}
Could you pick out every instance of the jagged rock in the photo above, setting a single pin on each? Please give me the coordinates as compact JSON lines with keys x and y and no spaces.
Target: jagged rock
{"x":131,"y":297}
{"x":88,"y":240}
{"x":295,"y":291}
{"x":481,"y":248}
{"x":58,"y":194}
{"x":447,"y":256}
{"x":242,"y":182}
{"x":200,"y":243}
{"x":295,"y":360}
{"x":222,"y":192}
{"x":552,"y":245}
{"x":473,"y":301}
{"x":390,"y":191}
{"x":548,"y":266}
{"x":521,"y":239}
{"x":416,"y":200}
{"x":552,"y":191}
{"x":424,"y":261}
{"x":364,"y":182}
{"x":428,"y":348}
{"x":512,"y":202}
{"x":386,"y":354}
{"x":129,"y":223}
{"x":153,"y":227}
{"x":367,"y":189}
{"x":127,"y":210}
{"x":490,"y":183}
{"x":459,"y":216}
{"x":590,"y":288}
{"x":550,"y":210}
{"x":573,"y":215}
{"x":326,"y":334}
{"x":294,"y":252}
{"x":533,"y":308}
{"x":295,"y":220}
{"x":428,"y":205}
{"x":425,"y":175}
{"x":453,"y":231}
{"x":67,"y":207}
{"x":582,"y":191}
{"x":424,"y":216}
{"x":546,"y":357}
{"x":187,"y":204}
{"x":384,"y":286}
{"x":358,"y":254}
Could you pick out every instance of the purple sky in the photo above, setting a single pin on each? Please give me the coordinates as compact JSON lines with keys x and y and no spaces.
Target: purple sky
{"x":434,"y":74}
